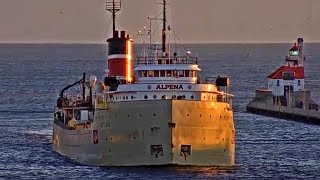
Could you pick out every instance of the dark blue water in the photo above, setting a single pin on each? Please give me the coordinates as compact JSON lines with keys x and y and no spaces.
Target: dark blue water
{"x":33,"y":75}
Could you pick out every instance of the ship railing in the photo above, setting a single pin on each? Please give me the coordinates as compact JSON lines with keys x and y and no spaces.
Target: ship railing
{"x":62,"y":117}
{"x":225,"y":97}
{"x":166,"y":60}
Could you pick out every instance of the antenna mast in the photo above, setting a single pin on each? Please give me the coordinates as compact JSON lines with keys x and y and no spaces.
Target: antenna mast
{"x":113,"y":7}
{"x":164,"y":27}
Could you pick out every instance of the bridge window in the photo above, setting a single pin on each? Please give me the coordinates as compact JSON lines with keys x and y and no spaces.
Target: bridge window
{"x":143,"y":73}
{"x":169,"y":73}
{"x":194,"y":73}
{"x":156,"y":73}
{"x":180,"y":73}
{"x":162,"y":73}
{"x":186,"y":73}
{"x":150,"y":73}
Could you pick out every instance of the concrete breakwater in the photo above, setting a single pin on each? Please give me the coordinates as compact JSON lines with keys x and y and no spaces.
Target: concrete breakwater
{"x":297,"y":114}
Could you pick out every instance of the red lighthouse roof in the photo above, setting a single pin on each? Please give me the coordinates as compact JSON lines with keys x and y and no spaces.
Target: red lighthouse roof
{"x":298,"y":72}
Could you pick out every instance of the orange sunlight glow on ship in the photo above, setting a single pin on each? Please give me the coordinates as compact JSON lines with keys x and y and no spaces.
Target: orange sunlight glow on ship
{"x":129,"y":50}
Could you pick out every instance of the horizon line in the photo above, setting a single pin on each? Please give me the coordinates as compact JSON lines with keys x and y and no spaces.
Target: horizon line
{"x":190,"y":43}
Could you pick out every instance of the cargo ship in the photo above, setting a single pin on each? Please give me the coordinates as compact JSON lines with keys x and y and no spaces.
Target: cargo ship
{"x":151,"y":110}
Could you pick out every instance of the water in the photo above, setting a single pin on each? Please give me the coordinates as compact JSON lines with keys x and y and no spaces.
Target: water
{"x":33,"y":75}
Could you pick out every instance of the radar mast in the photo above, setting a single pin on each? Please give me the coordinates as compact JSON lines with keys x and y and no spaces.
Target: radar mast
{"x":113,"y":6}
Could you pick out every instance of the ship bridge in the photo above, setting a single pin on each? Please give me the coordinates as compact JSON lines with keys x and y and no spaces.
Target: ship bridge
{"x":175,"y":69}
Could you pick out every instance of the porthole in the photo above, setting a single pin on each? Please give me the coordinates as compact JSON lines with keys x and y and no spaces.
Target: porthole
{"x":174,"y":97}
{"x":192,"y":97}
{"x":200,"y":115}
{"x":131,"y":97}
{"x":187,"y":114}
{"x":164,"y":97}
{"x":145,"y":97}
{"x":154,"y":115}
{"x":154,"y":96}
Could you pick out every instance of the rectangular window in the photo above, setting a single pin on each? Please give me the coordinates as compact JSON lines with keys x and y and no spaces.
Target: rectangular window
{"x":186,"y":73}
{"x":169,"y":73}
{"x":150,"y":73}
{"x":180,"y":73}
{"x":288,"y":75}
{"x":156,"y":73}
{"x":193,"y":74}
{"x":144,"y":73}
{"x":162,"y":73}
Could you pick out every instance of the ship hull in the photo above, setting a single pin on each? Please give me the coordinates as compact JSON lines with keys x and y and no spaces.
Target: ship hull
{"x":160,"y":132}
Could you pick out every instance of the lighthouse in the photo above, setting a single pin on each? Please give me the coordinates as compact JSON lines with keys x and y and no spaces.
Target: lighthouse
{"x":286,"y":96}
{"x":288,"y":78}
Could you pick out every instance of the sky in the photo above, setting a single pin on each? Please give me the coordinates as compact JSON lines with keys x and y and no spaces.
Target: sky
{"x":194,"y":21}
